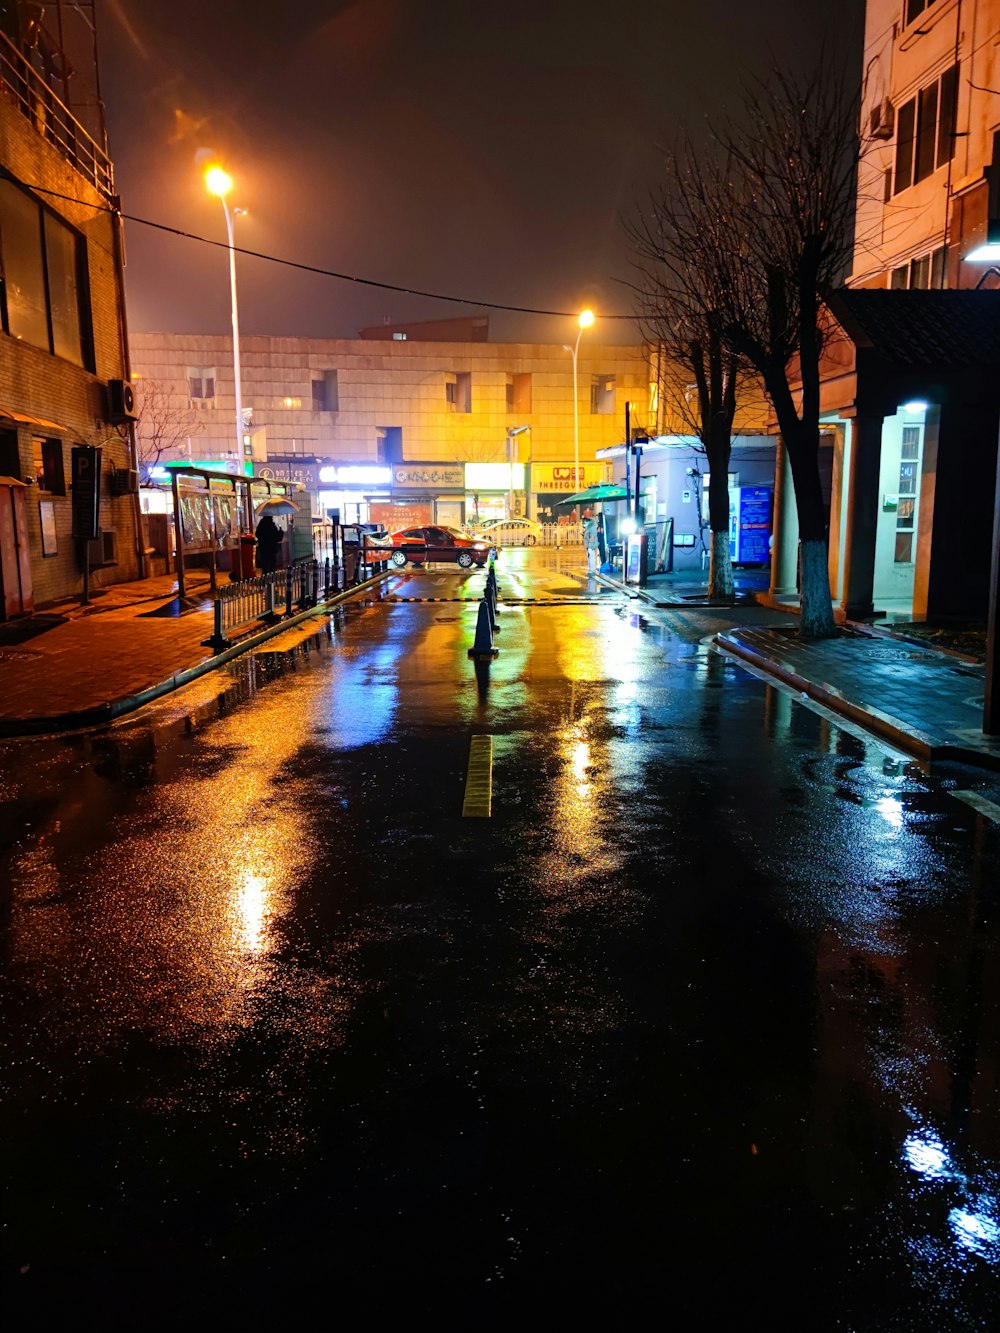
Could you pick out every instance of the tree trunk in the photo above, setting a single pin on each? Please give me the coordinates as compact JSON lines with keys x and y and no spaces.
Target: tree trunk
{"x":801,"y":441}
{"x":721,"y":571}
{"x":719,"y":449}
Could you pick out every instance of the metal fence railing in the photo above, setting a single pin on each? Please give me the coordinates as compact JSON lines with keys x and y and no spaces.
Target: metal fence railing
{"x":269,"y":597}
{"x":561,"y":534}
{"x":21,"y":84}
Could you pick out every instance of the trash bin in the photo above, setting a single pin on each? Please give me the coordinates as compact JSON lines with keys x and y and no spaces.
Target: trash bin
{"x":243,"y":557}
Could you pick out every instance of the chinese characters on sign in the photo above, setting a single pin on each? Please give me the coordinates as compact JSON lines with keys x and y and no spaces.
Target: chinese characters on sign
{"x":429,"y":475}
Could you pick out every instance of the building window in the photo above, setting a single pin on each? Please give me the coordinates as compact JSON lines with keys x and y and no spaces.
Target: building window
{"x":47,"y":457}
{"x":925,"y":131}
{"x":201,"y":385}
{"x":906,"y":504}
{"x":10,"y":455}
{"x":458,"y":391}
{"x":519,"y":394}
{"x":914,"y":8}
{"x":290,"y":402}
{"x":325,"y":393}
{"x":602,"y":395}
{"x":926,"y":271}
{"x":43,"y":284}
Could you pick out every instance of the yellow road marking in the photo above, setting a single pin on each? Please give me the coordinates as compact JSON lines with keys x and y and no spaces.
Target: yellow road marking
{"x":979,"y":803}
{"x":479,"y":779}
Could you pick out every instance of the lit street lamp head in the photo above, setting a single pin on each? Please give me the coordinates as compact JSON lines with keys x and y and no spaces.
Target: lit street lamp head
{"x":585,"y":319}
{"x":218,"y":181}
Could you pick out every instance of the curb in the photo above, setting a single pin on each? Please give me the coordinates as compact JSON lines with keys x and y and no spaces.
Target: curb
{"x":921,"y":745}
{"x":101,"y":714}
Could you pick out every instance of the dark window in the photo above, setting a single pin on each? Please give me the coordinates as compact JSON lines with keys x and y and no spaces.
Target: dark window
{"x":927,"y":109}
{"x":925,"y":131}
{"x":920,"y":271}
{"x":939,"y":272}
{"x":10,"y":457}
{"x":602,"y":395}
{"x":43,"y":288}
{"x":914,"y":8}
{"x":905,"y":123}
{"x":48,"y":462}
{"x":325,"y":396}
{"x":946,"y":115}
{"x":900,"y":278}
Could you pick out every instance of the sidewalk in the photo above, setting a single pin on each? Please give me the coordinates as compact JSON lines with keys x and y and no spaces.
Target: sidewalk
{"x":72,"y":666}
{"x":927,"y":702}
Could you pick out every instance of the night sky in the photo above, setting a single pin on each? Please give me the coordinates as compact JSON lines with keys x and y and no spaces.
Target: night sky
{"x":478,"y":150}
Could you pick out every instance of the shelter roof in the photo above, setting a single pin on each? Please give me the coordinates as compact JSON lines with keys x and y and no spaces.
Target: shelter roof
{"x":922,"y":328}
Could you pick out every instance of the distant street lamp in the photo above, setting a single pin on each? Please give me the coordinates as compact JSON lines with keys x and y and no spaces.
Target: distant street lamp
{"x":584,"y":320}
{"x":219,"y":183}
{"x":512,"y":433}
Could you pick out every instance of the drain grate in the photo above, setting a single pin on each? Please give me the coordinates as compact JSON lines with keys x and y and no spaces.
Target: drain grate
{"x":14,"y":655}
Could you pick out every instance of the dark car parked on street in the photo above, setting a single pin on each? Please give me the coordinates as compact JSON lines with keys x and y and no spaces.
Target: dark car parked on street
{"x":423,"y":545}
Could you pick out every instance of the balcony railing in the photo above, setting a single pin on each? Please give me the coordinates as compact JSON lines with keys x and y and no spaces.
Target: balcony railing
{"x":21,"y":84}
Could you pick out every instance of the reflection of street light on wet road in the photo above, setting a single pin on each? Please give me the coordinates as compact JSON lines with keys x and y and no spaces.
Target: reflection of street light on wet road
{"x":219,"y":182}
{"x":584,"y":319}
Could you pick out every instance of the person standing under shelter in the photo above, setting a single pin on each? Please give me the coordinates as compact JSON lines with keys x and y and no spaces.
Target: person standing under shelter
{"x":269,"y":538}
{"x":590,"y":544}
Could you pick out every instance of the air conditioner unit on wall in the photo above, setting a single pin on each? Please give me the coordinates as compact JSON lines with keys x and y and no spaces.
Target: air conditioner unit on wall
{"x":121,"y":403}
{"x":124,"y":481}
{"x":882,"y":123}
{"x":103,"y":550}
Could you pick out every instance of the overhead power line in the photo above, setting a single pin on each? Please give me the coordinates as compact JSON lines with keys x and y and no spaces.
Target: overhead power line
{"x":313,"y":268}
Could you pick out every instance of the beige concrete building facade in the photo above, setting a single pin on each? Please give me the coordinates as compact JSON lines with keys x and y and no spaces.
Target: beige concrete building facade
{"x":411,"y":415}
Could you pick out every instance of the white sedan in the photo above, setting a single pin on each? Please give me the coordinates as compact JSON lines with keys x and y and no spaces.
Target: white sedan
{"x":511,"y":532}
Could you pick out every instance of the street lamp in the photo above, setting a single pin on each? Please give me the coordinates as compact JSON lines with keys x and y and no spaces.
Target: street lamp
{"x":584,"y":320}
{"x":219,"y":182}
{"x":512,"y":433}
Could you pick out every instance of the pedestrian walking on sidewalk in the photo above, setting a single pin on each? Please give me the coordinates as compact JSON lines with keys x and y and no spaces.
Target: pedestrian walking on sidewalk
{"x":269,"y":538}
{"x":590,"y":544}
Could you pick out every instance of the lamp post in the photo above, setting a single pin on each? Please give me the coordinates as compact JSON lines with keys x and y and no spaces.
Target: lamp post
{"x":512,"y":433}
{"x":584,"y":320}
{"x":219,"y":183}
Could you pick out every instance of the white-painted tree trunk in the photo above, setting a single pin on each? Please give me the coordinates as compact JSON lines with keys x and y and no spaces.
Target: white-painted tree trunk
{"x":721,"y":573}
{"x":815,"y":598}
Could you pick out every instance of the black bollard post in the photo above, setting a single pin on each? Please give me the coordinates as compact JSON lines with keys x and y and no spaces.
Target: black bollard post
{"x":288,"y":591}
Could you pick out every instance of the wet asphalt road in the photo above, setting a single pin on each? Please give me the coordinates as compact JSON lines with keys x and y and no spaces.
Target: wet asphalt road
{"x":700,"y":1027}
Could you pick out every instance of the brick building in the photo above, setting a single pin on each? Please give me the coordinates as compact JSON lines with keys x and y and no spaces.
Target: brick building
{"x":62,"y":328}
{"x":910,"y":394}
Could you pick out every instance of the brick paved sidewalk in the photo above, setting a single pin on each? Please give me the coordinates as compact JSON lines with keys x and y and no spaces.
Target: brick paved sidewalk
{"x":929,"y":703}
{"x":89,"y":665}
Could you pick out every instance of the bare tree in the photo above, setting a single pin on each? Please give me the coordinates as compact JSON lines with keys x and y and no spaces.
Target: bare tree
{"x":163,"y":429}
{"x":759,"y":224}
{"x":698,"y":377}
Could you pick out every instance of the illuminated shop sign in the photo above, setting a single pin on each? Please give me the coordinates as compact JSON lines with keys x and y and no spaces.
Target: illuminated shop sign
{"x":424,"y":476}
{"x":351,"y":475}
{"x":231,"y":465}
{"x":494,"y":476}
{"x":563,"y":477}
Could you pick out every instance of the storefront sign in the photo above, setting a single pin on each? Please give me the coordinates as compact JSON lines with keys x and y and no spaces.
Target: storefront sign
{"x":494,"y":476}
{"x":396,"y":517}
{"x":428,"y":476}
{"x":307,"y":474}
{"x":548,"y":477}
{"x":355,"y":474}
{"x":231,"y":465}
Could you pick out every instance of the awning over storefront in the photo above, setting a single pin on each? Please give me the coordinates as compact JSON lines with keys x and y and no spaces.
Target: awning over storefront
{"x":25,"y":419}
